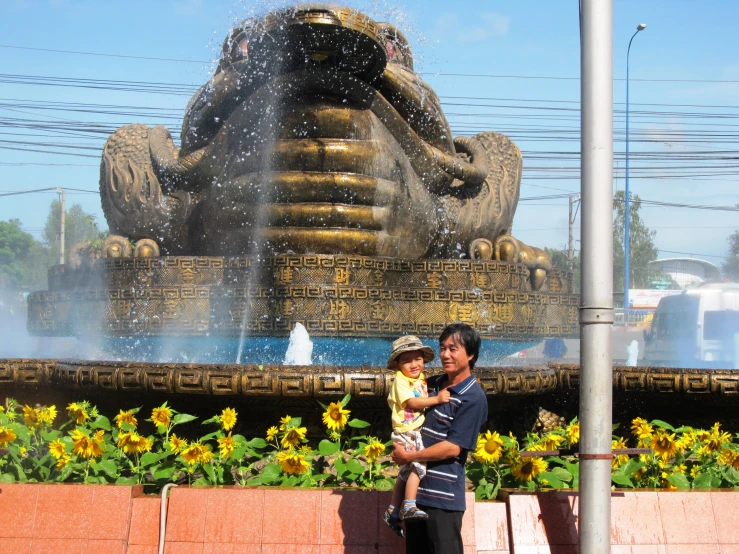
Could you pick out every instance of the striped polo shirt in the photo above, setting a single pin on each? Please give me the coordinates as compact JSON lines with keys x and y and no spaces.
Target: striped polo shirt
{"x":458,"y":421}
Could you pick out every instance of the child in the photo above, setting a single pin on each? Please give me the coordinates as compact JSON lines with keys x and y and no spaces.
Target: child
{"x":407,"y":399}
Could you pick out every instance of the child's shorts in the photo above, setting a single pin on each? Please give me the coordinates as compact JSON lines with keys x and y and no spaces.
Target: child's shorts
{"x":413,"y":442}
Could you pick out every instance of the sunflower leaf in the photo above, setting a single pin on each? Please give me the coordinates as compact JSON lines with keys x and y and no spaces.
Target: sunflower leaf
{"x":551,"y":479}
{"x":384,"y":484}
{"x":621,"y":479}
{"x":257,"y":442}
{"x":562,"y":474}
{"x":345,"y":400}
{"x":325,"y":408}
{"x":327,"y":447}
{"x":355,"y":467}
{"x":164,"y":472}
{"x":679,"y":480}
{"x":703,"y":481}
{"x":631,"y":466}
{"x":358,"y":424}
{"x":7,"y":478}
{"x":102,"y":422}
{"x":663,"y":424}
{"x":149,"y":458}
{"x":110,"y":469}
{"x":182,"y":418}
{"x":210,"y":472}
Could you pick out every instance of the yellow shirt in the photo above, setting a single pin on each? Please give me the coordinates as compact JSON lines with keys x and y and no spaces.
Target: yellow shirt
{"x":405,"y":418}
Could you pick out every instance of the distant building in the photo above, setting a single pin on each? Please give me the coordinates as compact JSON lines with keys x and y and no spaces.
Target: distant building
{"x":687,"y":272}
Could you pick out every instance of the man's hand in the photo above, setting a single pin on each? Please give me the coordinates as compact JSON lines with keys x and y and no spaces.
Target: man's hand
{"x":399,"y":454}
{"x":443,"y":396}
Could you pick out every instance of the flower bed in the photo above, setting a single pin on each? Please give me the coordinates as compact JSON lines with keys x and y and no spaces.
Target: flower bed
{"x":91,"y":448}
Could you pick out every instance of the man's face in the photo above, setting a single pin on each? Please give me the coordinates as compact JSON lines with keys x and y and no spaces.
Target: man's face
{"x":453,"y":355}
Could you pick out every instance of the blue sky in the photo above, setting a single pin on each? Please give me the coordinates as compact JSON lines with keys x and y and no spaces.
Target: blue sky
{"x":515,"y":67}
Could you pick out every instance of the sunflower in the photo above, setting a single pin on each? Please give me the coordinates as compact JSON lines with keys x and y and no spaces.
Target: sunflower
{"x":272,"y":433}
{"x":86,"y":446}
{"x":176,"y":444}
{"x":23,"y":451}
{"x":374,"y":449}
{"x":489,"y":447}
{"x":62,"y":462}
{"x":695,"y":471}
{"x":292,"y":462}
{"x":335,"y":417}
{"x":526,"y":469}
{"x":6,"y":435}
{"x":48,"y":415}
{"x":78,"y":413}
{"x":334,"y":436}
{"x":284,"y":421}
{"x":552,"y":441}
{"x":619,"y":459}
{"x":161,"y":416}
{"x":57,"y":449}
{"x":293,"y":437}
{"x":194,"y":453}
{"x":207,"y":455}
{"x":641,"y":429}
{"x":31,"y":416}
{"x":125,"y":417}
{"x":717,"y":439}
{"x":132,"y":442}
{"x":682,"y":468}
{"x":729,"y":458}
{"x":573,"y":433}
{"x":664,"y":444}
{"x":228,"y":418}
{"x":227,"y":446}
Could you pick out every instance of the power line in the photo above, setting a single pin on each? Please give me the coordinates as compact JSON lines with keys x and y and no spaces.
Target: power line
{"x":100,"y":54}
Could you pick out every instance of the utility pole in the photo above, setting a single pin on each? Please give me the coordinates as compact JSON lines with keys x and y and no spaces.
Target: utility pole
{"x":63,"y":198}
{"x":570,"y":242}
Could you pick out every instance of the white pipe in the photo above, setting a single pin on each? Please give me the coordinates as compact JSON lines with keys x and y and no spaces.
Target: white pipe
{"x":163,"y":516}
{"x":596,"y":311}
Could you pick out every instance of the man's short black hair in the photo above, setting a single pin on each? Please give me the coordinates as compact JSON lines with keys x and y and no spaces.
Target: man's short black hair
{"x":464,"y":335}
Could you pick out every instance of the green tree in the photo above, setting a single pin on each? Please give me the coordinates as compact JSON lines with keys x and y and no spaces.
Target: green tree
{"x":78,"y":226}
{"x":641,"y":244}
{"x":731,"y":265}
{"x":560,"y":261}
{"x":15,"y":249}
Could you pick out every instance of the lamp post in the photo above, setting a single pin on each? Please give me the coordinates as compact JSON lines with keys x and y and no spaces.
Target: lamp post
{"x":639,"y":27}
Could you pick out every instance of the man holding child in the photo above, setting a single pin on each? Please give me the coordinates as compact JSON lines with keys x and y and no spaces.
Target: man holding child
{"x":449,"y":432}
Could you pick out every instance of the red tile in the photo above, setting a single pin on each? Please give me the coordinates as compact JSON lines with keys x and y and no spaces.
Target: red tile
{"x":491,"y":526}
{"x":468,"y":520}
{"x":58,"y":546}
{"x":728,"y":548}
{"x":726,"y":514}
{"x":144,"y":528}
{"x":544,"y":518}
{"x":183,"y":547}
{"x":349,"y":517}
{"x":385,"y":536}
{"x":16,"y":546}
{"x":677,"y":508}
{"x":347,"y":549}
{"x":142,"y":549}
{"x":291,"y":517}
{"x":635,"y":518}
{"x":63,"y":512}
{"x":186,"y":514}
{"x":692,"y":549}
{"x":111,"y":512}
{"x":232,"y":548}
{"x":18,"y":507}
{"x":291,"y":549}
{"x":234,"y":515}
{"x":106,"y":546}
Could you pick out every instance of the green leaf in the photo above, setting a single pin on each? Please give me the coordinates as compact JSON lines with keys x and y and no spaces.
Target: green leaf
{"x":208,"y":469}
{"x":621,"y":479}
{"x":149,"y":458}
{"x":50,"y":435}
{"x":631,"y":466}
{"x":327,"y":447}
{"x":127,"y":427}
{"x":340,"y":467}
{"x":679,"y":480}
{"x":7,"y":478}
{"x":355,"y":466}
{"x":102,"y":422}
{"x":164,"y":472}
{"x":480,"y":493}
{"x":200,"y":482}
{"x":552,"y":480}
{"x":257,"y":442}
{"x":211,"y":436}
{"x":384,"y":484}
{"x":110,"y":468}
{"x":562,"y":474}
{"x":183,"y":418}
{"x":662,"y":424}
{"x":125,"y":481}
{"x":358,"y":424}
{"x":345,"y":400}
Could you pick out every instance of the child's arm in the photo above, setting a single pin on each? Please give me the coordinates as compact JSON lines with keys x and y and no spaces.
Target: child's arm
{"x":420,"y":403}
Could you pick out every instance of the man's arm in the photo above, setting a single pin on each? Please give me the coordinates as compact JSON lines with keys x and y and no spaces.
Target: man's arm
{"x":440,"y":451}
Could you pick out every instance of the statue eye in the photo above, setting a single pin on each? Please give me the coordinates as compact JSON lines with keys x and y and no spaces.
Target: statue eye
{"x":390,"y":50}
{"x":244,"y":47}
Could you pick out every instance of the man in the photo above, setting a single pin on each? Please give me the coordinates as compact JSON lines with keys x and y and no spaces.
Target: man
{"x":449,"y":433}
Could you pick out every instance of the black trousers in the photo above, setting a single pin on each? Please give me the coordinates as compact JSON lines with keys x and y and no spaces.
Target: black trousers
{"x":441,"y":533}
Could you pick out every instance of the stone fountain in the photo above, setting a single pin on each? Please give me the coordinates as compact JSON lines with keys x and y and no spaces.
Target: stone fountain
{"x":317,"y":182}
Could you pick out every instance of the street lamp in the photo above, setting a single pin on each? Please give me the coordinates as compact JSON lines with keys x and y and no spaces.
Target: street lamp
{"x":639,"y":27}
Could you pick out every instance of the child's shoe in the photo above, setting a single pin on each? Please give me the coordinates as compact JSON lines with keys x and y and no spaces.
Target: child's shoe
{"x":411,"y":513}
{"x":393,"y":521}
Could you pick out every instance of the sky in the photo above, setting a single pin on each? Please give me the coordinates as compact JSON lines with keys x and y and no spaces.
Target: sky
{"x":506,"y":66}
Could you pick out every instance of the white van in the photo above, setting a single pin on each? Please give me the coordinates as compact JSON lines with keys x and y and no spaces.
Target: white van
{"x":697,"y":328}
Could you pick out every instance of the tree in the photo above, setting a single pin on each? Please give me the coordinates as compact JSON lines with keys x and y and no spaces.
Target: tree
{"x":78,"y":226}
{"x":641,"y":243}
{"x":731,"y":265}
{"x":560,"y":261}
{"x":15,"y":248}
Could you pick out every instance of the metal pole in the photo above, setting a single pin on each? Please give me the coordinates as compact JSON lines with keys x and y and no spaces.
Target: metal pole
{"x":63,"y":194}
{"x":596,"y":311}
{"x":627,"y":216}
